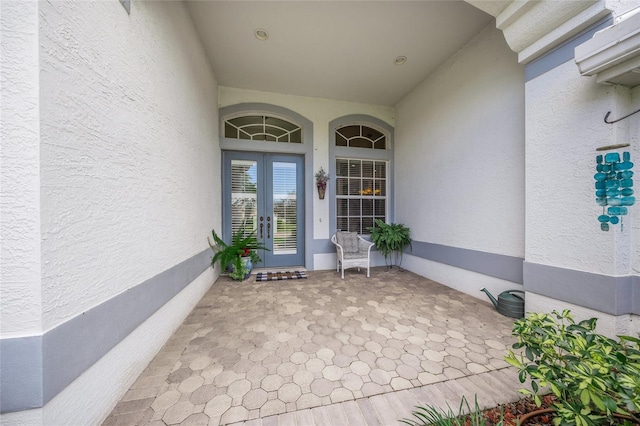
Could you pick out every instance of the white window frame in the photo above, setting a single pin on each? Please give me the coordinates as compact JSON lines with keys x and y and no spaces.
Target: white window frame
{"x":356,"y":153}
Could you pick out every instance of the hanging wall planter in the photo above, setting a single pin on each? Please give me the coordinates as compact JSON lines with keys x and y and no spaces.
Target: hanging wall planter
{"x":322,"y":178}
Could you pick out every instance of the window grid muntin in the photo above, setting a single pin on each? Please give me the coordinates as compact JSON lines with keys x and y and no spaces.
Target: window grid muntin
{"x":260,"y":127}
{"x":360,"y":136}
{"x":357,"y":202}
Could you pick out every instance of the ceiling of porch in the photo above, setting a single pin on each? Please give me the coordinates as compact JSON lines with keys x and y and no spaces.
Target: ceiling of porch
{"x":342,"y":50}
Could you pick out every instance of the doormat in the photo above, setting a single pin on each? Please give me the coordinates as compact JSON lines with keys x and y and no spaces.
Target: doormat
{"x":278,"y":276}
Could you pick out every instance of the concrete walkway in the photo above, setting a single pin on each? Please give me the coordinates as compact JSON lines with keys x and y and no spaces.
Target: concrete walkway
{"x":491,"y":389}
{"x":324,"y":351}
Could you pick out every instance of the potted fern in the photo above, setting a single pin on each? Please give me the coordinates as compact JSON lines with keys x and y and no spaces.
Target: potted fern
{"x":390,"y":239}
{"x":238,"y":256}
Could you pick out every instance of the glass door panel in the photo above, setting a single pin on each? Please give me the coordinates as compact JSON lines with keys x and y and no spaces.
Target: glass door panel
{"x":244,"y":194}
{"x":284,"y":210}
{"x":265,"y":192}
{"x":285,"y":198}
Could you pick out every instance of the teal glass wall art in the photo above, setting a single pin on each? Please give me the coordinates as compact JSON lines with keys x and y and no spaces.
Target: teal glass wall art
{"x":613,"y":185}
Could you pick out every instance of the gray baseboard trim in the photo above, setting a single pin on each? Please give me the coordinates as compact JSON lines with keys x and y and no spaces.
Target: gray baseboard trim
{"x":495,"y":265}
{"x":20,"y":373}
{"x":604,"y":293}
{"x":501,"y":266}
{"x":35,"y":369}
{"x":563,"y":53}
{"x":323,"y":246}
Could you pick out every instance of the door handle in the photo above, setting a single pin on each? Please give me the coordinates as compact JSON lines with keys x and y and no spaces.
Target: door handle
{"x":261,"y":227}
{"x":268,"y":226}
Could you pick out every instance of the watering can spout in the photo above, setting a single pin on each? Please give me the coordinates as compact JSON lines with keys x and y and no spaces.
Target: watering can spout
{"x":493,"y":299}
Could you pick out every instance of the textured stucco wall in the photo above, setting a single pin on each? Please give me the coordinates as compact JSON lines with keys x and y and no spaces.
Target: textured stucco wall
{"x":117,"y":123}
{"x":609,"y":325}
{"x":321,"y":112}
{"x":129,"y":153}
{"x":564,"y":127}
{"x":460,"y":151}
{"x":20,"y":304}
{"x":85,"y":403}
{"x":634,"y":139}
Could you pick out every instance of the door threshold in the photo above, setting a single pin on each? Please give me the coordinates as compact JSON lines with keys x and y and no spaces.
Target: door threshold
{"x":279,"y":269}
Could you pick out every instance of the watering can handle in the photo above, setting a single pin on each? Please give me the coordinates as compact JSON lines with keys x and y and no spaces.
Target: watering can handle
{"x":515,"y":295}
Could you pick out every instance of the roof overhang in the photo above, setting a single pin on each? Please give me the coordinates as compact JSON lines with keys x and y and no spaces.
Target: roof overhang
{"x":613,"y":54}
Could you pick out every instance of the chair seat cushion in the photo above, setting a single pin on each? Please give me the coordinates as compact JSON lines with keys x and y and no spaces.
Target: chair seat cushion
{"x":356,"y":255}
{"x":348,"y":241}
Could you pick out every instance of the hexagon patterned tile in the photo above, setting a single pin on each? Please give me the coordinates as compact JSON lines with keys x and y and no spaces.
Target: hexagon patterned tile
{"x":251,"y":350}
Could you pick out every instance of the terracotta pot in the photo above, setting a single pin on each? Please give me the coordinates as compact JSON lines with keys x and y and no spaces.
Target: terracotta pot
{"x":536,"y":413}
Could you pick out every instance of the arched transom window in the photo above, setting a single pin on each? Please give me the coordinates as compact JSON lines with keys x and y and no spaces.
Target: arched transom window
{"x":360,"y":136}
{"x":361,"y":174}
{"x":258,"y":127}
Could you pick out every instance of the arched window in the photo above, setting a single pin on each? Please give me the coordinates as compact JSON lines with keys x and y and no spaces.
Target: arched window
{"x":360,"y":136}
{"x":262,"y":128}
{"x":362,"y":164}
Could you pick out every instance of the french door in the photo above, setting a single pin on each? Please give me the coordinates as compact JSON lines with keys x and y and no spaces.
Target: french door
{"x":265,"y":192}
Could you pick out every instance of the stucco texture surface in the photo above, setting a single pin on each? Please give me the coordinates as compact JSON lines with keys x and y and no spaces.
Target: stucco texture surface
{"x":564,"y":127}
{"x":129,"y":153}
{"x":20,"y":172}
{"x":460,"y":151}
{"x":634,"y":138}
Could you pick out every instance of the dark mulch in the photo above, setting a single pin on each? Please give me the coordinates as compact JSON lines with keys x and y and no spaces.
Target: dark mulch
{"x":512,"y":411}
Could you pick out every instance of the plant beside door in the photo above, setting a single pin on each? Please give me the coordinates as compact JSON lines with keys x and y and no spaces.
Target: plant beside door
{"x":238,"y":256}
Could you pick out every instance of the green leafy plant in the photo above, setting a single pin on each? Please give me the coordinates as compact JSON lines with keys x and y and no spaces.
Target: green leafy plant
{"x":594,"y":378}
{"x":243,"y":244}
{"x":390,"y":238}
{"x":430,"y":415}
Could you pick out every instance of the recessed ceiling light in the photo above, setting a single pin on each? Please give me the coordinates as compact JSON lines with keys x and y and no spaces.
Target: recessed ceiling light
{"x":400,"y":60}
{"x":261,"y":34}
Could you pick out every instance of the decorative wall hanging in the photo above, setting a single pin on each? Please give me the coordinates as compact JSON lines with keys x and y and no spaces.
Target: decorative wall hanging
{"x":322,"y":178}
{"x":614,"y":182}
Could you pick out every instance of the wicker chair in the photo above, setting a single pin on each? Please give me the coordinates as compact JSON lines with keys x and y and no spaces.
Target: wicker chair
{"x":353,"y":251}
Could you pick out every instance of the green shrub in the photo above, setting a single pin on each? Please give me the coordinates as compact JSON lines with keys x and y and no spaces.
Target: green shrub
{"x":593,"y":377}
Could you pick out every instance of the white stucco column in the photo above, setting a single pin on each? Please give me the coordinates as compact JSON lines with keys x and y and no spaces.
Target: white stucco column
{"x":20,"y":283}
{"x":570,"y":263}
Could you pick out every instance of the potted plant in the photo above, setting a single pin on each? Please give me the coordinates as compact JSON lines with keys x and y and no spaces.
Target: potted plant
{"x":322,"y":178}
{"x":390,"y":239}
{"x":238,"y":256}
{"x":594,"y":378}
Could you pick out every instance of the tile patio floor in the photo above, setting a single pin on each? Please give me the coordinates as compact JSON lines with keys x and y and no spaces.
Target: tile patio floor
{"x":324,"y":351}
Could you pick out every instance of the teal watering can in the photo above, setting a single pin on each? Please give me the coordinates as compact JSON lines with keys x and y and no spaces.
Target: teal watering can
{"x":510,"y":303}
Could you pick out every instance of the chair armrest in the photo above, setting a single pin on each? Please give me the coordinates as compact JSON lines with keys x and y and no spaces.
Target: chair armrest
{"x":364,"y":243}
{"x":339,"y":248}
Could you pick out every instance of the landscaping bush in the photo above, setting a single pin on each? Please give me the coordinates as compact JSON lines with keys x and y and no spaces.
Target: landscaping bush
{"x":595,"y":379}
